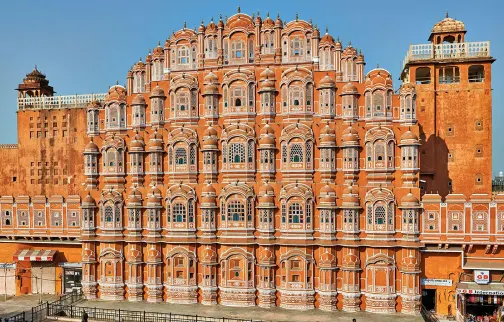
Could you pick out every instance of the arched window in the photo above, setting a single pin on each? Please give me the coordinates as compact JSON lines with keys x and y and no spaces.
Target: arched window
{"x":296,"y":97}
{"x":237,"y":153}
{"x":296,"y":153}
{"x":180,"y":156}
{"x":238,"y":96}
{"x":380,"y":215}
{"x":183,"y":55}
{"x":109,"y":214}
{"x":179,"y":213}
{"x":237,"y":49}
{"x":235,"y":211}
{"x":295,"y":213}
{"x":296,"y":47}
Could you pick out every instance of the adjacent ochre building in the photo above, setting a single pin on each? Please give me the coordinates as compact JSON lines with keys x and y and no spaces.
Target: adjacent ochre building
{"x":254,"y":162}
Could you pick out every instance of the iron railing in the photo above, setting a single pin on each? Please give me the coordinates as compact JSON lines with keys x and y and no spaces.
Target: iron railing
{"x":64,"y":308}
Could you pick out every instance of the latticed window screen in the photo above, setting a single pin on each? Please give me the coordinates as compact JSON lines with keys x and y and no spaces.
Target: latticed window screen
{"x":117,"y":212}
{"x":236,"y":211}
{"x":180,"y":156}
{"x":191,"y":210}
{"x":380,"y":214}
{"x":108,"y":214}
{"x":179,"y":212}
{"x":192,"y":156}
{"x":237,"y":152}
{"x":308,"y":152}
{"x":295,"y":213}
{"x":284,"y":153}
{"x":250,"y":151}
{"x":296,"y":153}
{"x":390,"y":212}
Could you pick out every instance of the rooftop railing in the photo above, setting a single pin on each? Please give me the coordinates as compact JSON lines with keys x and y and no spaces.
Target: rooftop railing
{"x":54,"y":102}
{"x":447,"y":51}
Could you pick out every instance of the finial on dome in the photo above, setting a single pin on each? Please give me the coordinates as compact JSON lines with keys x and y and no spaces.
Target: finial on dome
{"x":239,"y":9}
{"x":140,"y":59}
{"x":447,"y":14}
{"x":253,"y":16}
{"x":278,"y":15}
{"x":202,"y":22}
{"x":311,"y":22}
{"x":258,"y":13}
{"x":211,"y":19}
{"x":349,"y":43}
{"x":220,"y":16}
{"x":326,"y":30}
{"x":378,"y":65}
{"x":185,"y":24}
{"x":117,"y":82}
{"x":267,"y":14}
{"x":338,"y":39}
{"x":297,"y":16}
{"x":159,"y":42}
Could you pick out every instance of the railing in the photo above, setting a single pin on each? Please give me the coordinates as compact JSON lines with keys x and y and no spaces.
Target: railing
{"x":64,"y":308}
{"x":8,"y":146}
{"x":427,"y":315}
{"x":40,"y":312}
{"x":53,"y":102}
{"x":99,"y":314}
{"x":447,"y":51}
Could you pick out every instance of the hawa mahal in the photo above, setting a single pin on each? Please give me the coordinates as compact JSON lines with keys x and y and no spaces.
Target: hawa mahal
{"x":253,"y":162}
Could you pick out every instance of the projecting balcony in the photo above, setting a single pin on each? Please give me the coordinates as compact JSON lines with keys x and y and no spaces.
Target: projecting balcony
{"x":54,"y":102}
{"x":447,"y":51}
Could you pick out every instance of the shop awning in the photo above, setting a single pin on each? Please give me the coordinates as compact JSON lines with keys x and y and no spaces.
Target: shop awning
{"x":34,"y":255}
{"x":480,"y":289}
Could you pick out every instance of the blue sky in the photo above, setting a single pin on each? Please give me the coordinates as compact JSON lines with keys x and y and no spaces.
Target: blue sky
{"x":84,"y":46}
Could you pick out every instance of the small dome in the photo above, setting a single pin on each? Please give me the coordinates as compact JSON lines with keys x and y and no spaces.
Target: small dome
{"x":338,"y":45}
{"x":378,"y":77}
{"x":139,"y":66}
{"x":208,"y":189}
{"x":138,"y":100}
{"x":156,"y":136}
{"x":409,"y":136}
{"x":211,"y":27}
{"x":201,"y":28}
{"x":349,"y":51}
{"x":137,"y":143}
{"x":350,"y":135}
{"x":91,"y":147}
{"x":94,"y":105}
{"x":408,"y":87}
{"x":268,"y":22}
{"x":350,"y":189}
{"x":258,"y":20}
{"x":89,"y":200}
{"x":327,"y":39}
{"x":267,"y":130}
{"x":267,"y":85}
{"x":327,"y":82}
{"x":448,"y":25}
{"x":157,"y":92}
{"x":116,"y":93}
{"x":211,"y":78}
{"x":327,"y":190}
{"x":327,"y":130}
{"x":158,"y":50}
{"x":148,"y":58}
{"x":350,"y":88}
{"x":267,"y":74}
{"x":211,"y":89}
{"x":360,"y":58}
{"x":266,"y":188}
{"x":135,"y":197}
{"x":210,"y":131}
{"x":278,"y":22}
{"x":410,"y":200}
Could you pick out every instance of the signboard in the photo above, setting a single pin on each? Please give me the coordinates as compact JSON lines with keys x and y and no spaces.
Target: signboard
{"x":479,"y":292}
{"x":436,"y":282}
{"x":481,"y":277}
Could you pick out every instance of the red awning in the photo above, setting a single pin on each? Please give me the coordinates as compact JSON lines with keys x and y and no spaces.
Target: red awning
{"x":34,"y":255}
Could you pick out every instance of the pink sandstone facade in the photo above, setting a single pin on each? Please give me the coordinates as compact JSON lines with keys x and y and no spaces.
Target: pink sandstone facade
{"x":254,"y":162}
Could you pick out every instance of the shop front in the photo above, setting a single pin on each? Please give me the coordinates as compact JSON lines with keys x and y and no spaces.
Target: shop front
{"x":72,"y":276}
{"x":477,"y":300}
{"x":35,"y":271}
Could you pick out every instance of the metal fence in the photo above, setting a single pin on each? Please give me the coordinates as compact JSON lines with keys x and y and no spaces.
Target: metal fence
{"x":99,"y":314}
{"x":64,"y":307}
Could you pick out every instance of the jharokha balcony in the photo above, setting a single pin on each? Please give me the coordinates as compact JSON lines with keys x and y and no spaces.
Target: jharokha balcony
{"x":447,"y":51}
{"x":53,"y":102}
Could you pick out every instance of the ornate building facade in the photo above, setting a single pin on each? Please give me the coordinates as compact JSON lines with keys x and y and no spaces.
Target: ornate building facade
{"x":252,"y":162}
